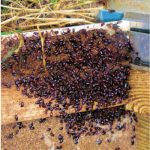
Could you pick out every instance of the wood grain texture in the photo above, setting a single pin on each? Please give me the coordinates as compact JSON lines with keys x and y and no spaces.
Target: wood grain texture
{"x":138,"y":100}
{"x":143,"y":132}
{"x":25,"y":138}
{"x":140,"y":92}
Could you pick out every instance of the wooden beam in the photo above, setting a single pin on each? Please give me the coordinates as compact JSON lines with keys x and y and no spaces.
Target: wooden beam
{"x":140,"y":92}
{"x":142,"y":132}
{"x":138,"y":100}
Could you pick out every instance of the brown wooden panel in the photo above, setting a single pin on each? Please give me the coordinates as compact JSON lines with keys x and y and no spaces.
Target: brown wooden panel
{"x":137,"y":101}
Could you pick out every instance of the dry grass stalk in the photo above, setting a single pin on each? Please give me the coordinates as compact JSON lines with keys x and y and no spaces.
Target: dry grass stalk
{"x":28,"y":14}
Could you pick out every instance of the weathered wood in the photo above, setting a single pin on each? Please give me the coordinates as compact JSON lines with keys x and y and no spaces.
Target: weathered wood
{"x":143,"y":132}
{"x":25,"y":138}
{"x":138,"y":100}
{"x":140,"y":92}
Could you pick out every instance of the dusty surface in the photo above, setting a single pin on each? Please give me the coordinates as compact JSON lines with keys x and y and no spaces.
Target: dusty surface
{"x":40,"y":139}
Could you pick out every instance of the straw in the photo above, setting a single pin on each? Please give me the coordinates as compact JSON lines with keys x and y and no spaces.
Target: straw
{"x":22,"y":15}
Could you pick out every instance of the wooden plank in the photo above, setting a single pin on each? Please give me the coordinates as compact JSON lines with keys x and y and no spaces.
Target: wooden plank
{"x":138,"y":100}
{"x":25,"y":138}
{"x":143,"y":132}
{"x":140,"y":92}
